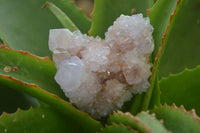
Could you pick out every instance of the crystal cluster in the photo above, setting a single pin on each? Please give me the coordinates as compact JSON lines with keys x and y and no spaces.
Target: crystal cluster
{"x":98,"y":75}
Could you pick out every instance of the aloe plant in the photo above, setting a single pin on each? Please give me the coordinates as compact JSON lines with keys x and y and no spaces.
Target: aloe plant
{"x":32,"y":101}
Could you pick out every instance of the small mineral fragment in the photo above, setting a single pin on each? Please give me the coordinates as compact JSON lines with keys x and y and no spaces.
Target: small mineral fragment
{"x":99,"y":75}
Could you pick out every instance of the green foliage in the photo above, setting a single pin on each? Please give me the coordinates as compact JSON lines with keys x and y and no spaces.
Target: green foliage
{"x":136,"y":104}
{"x":116,"y":129}
{"x":25,"y":26}
{"x":11,"y":99}
{"x":154,"y":88}
{"x":106,"y":11}
{"x":28,"y":80}
{"x":163,"y":119}
{"x":159,"y":16}
{"x":154,"y":125}
{"x":29,"y":69}
{"x":155,"y":100}
{"x":61,"y":16}
{"x":128,"y":120}
{"x":143,"y":122}
{"x":87,"y":123}
{"x":45,"y":120}
{"x":178,"y":120}
{"x":182,"y":40}
{"x":75,"y":14}
{"x":182,"y":89}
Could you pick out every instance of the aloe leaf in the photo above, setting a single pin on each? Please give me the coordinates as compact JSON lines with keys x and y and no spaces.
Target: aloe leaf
{"x":137,"y":104}
{"x":155,"y":98}
{"x":128,"y":120}
{"x":106,"y":11}
{"x":159,"y":16}
{"x":156,"y":64}
{"x":61,"y":16}
{"x":88,"y":124}
{"x":16,"y":79}
{"x":11,"y":99}
{"x":44,"y":120}
{"x":152,"y":90}
{"x":155,"y":125}
{"x":143,"y":122}
{"x":75,"y":14}
{"x":26,"y":27}
{"x":116,"y":129}
{"x":182,"y":39}
{"x":149,"y":99}
{"x":178,"y":120}
{"x":29,"y":69}
{"x":182,"y":89}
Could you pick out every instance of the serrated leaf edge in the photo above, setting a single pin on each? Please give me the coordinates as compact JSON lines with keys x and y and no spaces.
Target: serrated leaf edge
{"x":134,"y":118}
{"x":5,"y":46}
{"x":179,"y":74}
{"x":47,"y":97}
{"x":118,"y":125}
{"x":191,"y":112}
{"x":5,"y":114}
{"x":157,"y":60}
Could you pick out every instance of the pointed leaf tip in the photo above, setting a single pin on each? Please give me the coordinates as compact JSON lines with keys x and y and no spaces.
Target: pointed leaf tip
{"x":182,"y":84}
{"x":176,"y":117}
{"x":61,"y":16}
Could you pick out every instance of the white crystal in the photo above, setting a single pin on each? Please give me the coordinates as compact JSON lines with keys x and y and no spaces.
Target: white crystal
{"x":70,"y":74}
{"x":95,"y":56}
{"x":98,"y":75}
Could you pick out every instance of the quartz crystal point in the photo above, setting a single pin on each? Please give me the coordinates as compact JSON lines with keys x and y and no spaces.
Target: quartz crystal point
{"x":98,"y":75}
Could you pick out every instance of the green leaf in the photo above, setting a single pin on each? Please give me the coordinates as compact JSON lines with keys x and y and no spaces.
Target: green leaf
{"x":182,"y":89}
{"x":116,"y":129}
{"x":152,"y":90}
{"x":25,"y":26}
{"x":29,"y":69}
{"x":61,"y":16}
{"x":143,"y":122}
{"x":106,"y":11}
{"x":155,"y":98}
{"x":178,"y":120}
{"x":87,"y":123}
{"x":149,"y":99}
{"x":156,"y":64}
{"x":128,"y":120}
{"x":182,"y":39}
{"x":11,"y":99}
{"x":75,"y":14}
{"x":159,"y":16}
{"x":137,"y":103}
{"x":154,"y":125}
{"x":38,"y":120}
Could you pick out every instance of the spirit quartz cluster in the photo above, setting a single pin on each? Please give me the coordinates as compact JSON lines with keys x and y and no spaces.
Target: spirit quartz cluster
{"x":98,"y":75}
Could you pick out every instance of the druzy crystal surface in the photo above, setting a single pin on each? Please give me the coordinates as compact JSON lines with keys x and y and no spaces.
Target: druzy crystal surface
{"x":99,"y":75}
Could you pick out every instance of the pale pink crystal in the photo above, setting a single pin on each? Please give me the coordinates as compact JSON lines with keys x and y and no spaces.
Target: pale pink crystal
{"x":97,"y":75}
